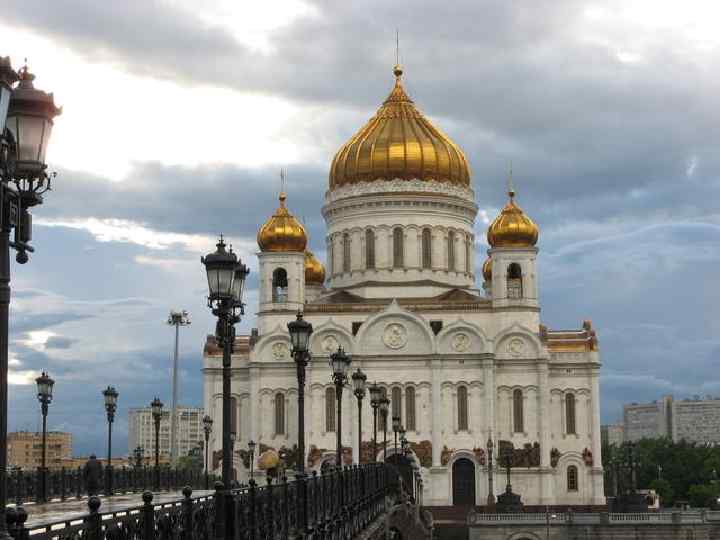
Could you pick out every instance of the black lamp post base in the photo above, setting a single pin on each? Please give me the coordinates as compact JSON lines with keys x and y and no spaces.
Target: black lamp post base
{"x":508,"y":502}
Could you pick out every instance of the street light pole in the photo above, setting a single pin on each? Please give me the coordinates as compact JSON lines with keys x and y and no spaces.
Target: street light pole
{"x":26,"y":121}
{"x":384,"y":404}
{"x":300,"y":331}
{"x":176,"y":319}
{"x":396,"y":428}
{"x":359,"y":379}
{"x":251,"y":449}
{"x":156,"y":408}
{"x":340,"y":363}
{"x":226,"y":283}
{"x":111,"y":396}
{"x":375,"y":396}
{"x":491,"y":490}
{"x":45,"y":389}
{"x":207,"y":428}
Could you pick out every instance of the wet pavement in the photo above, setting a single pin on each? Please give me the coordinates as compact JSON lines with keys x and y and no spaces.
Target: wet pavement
{"x":69,"y":510}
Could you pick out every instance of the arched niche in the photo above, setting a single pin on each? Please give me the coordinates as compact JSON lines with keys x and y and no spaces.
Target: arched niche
{"x":395,"y":331}
{"x":327,"y":337}
{"x":461,"y":337}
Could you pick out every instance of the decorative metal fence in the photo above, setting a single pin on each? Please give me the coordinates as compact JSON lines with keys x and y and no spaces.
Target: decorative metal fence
{"x":338,"y":504}
{"x":65,"y":484}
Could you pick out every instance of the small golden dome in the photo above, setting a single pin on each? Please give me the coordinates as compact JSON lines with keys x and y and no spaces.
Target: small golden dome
{"x":399,"y":142}
{"x":512,"y":228}
{"x":487,"y":269}
{"x":269,"y":459}
{"x":314,"y":270}
{"x":282,"y":232}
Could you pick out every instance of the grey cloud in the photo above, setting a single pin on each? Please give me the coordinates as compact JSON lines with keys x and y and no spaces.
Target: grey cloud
{"x":59,"y":342}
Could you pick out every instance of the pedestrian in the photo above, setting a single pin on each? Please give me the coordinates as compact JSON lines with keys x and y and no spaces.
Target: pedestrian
{"x":92,"y":473}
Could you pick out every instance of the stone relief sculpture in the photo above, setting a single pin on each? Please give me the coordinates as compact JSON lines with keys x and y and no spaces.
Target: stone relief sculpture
{"x":395,"y":336}
{"x":280,"y":351}
{"x":460,"y":342}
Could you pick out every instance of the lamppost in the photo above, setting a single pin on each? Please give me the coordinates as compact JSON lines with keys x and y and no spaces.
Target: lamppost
{"x":156,"y":408}
{"x":207,"y":428}
{"x":111,"y":396}
{"x":359,"y":379}
{"x":375,"y":397}
{"x":138,"y":454}
{"x":26,"y":121}
{"x":491,"y":491}
{"x":300,"y":331}
{"x":384,"y":405}
{"x":396,"y":428}
{"x":340,"y":363}
{"x":226,"y":282}
{"x":251,"y":449}
{"x":176,"y":319}
{"x":44,"y":393}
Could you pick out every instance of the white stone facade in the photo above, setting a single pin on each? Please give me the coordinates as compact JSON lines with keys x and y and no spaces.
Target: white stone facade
{"x":473,"y":366}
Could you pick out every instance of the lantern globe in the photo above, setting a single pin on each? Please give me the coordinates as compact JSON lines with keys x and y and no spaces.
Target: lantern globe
{"x":45,"y":387}
{"x":251,"y":446}
{"x":156,"y":407}
{"x":207,"y":423}
{"x":30,"y":121}
{"x":359,"y":378}
{"x":241,"y":272}
{"x":375,"y":393}
{"x":111,"y":396}
{"x":340,"y":362}
{"x":396,"y":423}
{"x":300,"y":331}
{"x":220,"y":267}
{"x":8,"y":77}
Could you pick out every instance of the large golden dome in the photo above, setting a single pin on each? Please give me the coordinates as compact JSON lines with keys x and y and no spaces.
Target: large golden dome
{"x":487,"y":269}
{"x":314,"y":270}
{"x":399,"y":142}
{"x":282,"y":232}
{"x":512,"y":228}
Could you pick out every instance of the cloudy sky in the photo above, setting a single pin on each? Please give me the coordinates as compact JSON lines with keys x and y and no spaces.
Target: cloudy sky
{"x":178,"y":115}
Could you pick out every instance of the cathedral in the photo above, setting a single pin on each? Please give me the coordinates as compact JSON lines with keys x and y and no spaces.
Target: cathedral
{"x":461,"y":365}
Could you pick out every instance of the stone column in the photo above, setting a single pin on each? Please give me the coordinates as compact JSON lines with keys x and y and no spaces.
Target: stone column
{"x":545,"y":428}
{"x":597,"y":470}
{"x":436,"y":416}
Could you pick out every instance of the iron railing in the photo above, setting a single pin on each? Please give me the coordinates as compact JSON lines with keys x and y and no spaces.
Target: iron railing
{"x":337,"y":504}
{"x":64,"y":484}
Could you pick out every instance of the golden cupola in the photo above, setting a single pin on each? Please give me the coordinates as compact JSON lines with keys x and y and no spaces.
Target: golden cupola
{"x":282,"y":232}
{"x":399,"y":142}
{"x":314,"y":270}
{"x":487,"y":269}
{"x":512,"y":228}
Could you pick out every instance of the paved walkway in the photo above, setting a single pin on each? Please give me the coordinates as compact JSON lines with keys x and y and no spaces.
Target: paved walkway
{"x":52,"y":512}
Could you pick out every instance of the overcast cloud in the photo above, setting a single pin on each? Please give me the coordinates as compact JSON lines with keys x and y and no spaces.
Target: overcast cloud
{"x":608,"y":111}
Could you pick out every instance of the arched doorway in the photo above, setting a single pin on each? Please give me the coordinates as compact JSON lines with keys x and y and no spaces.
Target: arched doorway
{"x":463,"y":479}
{"x":404,"y":469}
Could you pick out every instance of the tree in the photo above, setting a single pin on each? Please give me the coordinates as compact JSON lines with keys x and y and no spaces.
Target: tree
{"x":664,"y":490}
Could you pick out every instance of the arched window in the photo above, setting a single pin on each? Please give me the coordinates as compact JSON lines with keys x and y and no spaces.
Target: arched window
{"x":462,"y":404}
{"x":427,"y":248}
{"x":451,"y":250}
{"x":234,"y":428}
{"x":346,"y":252}
{"x":410,"y":409}
{"x":330,"y":409}
{"x":369,"y":249}
{"x":518,"y":420}
{"x":396,"y":402}
{"x":468,"y":255}
{"x":279,"y":285}
{"x":572,"y":478}
{"x":398,"y":248}
{"x":279,"y":414}
{"x":570,"y":414}
{"x":514,"y":281}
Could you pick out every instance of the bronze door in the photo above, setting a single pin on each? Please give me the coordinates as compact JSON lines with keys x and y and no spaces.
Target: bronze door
{"x":463,"y":476}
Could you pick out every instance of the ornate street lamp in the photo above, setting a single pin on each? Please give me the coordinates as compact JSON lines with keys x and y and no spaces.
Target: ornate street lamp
{"x":226,"y":282}
{"x":44,"y":393}
{"x":340,"y":363}
{"x":138,"y":454}
{"x":384,"y":410}
{"x":300,"y":331}
{"x":207,"y":428}
{"x":26,"y":119}
{"x":359,"y":379}
{"x":156,"y":407}
{"x":176,"y":319}
{"x":396,"y":428}
{"x":111,"y":396}
{"x":375,"y":397}
{"x":491,"y":495}
{"x":251,"y":449}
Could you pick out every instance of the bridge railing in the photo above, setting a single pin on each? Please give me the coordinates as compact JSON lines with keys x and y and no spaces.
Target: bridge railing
{"x":64,"y":484}
{"x":339,"y":503}
{"x":634,"y":518}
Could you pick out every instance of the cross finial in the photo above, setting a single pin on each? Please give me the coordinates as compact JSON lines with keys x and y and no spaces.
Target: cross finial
{"x":397,"y":46}
{"x":511,"y":189}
